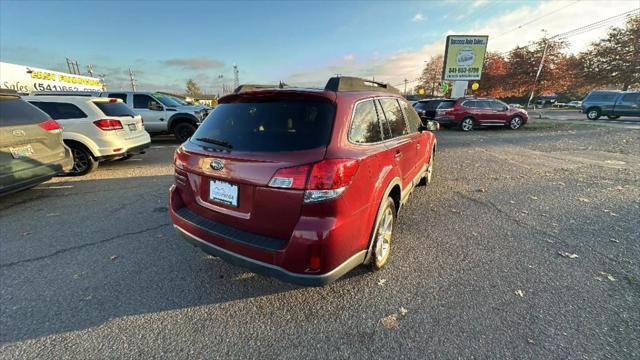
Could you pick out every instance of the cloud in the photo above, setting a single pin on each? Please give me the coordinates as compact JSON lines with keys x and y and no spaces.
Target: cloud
{"x":348,"y":57}
{"x":504,"y":33}
{"x":195,"y":63}
{"x":418,"y":17}
{"x":479,"y":3}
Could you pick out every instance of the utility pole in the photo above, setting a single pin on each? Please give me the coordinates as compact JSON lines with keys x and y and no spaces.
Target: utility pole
{"x":535,"y":82}
{"x":133,"y":80}
{"x":221,"y":77}
{"x":405,"y":86}
{"x":236,"y":77}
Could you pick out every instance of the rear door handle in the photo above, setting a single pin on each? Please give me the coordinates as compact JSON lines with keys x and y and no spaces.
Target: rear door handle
{"x":398,"y":154}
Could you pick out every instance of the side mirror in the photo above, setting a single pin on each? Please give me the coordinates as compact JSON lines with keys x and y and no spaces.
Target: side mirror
{"x":155,"y":106}
{"x":431,"y":126}
{"x":505,"y":108}
{"x":422,"y":112}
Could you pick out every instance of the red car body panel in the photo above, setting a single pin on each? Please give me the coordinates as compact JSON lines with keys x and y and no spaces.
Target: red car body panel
{"x":481,"y":116}
{"x":337,"y":231}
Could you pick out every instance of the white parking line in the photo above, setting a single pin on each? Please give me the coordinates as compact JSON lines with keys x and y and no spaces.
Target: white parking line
{"x":55,"y":187}
{"x":163,"y":146}
{"x":135,"y":160}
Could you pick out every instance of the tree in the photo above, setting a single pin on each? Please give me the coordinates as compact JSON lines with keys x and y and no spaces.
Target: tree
{"x":493,"y":77}
{"x":432,"y":74}
{"x":193,"y":89}
{"x":615,"y":60}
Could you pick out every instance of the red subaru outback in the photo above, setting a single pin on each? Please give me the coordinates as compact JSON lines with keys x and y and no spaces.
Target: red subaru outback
{"x":469,"y":112}
{"x":301,"y":184}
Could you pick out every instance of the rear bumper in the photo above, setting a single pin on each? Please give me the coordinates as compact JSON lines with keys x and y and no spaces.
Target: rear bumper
{"x":286,"y":259}
{"x":27,"y":178}
{"x":106,"y":146}
{"x":263,"y":268}
{"x":445,"y":120}
{"x":135,"y":150}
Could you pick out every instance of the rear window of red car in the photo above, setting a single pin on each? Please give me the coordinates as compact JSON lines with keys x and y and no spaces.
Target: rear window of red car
{"x":269,"y":126}
{"x":447,"y":104}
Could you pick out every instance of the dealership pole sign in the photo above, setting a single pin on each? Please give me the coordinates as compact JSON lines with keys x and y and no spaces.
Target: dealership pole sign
{"x":24,"y":79}
{"x":464,"y":57}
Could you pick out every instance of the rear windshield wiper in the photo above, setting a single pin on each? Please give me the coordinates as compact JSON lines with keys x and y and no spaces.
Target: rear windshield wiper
{"x":216,"y":142}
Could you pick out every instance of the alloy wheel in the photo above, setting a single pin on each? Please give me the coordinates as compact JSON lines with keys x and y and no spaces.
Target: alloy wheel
{"x":383,"y":240}
{"x":467,"y":124}
{"x":80,"y":161}
{"x":515,"y":123}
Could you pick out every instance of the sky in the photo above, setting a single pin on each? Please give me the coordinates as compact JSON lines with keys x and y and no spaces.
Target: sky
{"x":299,"y":42}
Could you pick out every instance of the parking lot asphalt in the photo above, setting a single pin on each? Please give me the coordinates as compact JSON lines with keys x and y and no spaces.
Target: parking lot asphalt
{"x":576,"y":117}
{"x":526,"y":246}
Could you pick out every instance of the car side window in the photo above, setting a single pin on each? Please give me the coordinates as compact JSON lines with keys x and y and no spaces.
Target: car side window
{"x":120,"y":96}
{"x":631,"y":98}
{"x":60,"y":111}
{"x":484,"y":104}
{"x":395,"y":119}
{"x":498,"y":105}
{"x":365,"y":126}
{"x":413,"y":120}
{"x":470,"y":104}
{"x":141,"y":101}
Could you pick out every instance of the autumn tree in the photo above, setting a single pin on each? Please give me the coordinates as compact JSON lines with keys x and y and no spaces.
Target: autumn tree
{"x":615,"y":60}
{"x":432,"y":74}
{"x":493,"y":77}
{"x":193,"y":89}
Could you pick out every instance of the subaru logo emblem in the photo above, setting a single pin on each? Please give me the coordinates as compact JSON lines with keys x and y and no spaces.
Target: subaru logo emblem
{"x":217,"y":165}
{"x":18,"y":133}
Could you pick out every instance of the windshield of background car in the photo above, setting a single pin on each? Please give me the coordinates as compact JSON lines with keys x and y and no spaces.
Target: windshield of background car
{"x":114,"y":108}
{"x":166,"y":101}
{"x":269,"y":126}
{"x":446,"y":104}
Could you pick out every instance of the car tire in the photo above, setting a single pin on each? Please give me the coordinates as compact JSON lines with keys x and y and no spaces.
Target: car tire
{"x":183,"y":131}
{"x":384,"y":226}
{"x":593,"y":114}
{"x":466,"y":124}
{"x":613,"y":117}
{"x":515,"y":123}
{"x":83,"y":161}
{"x":428,"y":177}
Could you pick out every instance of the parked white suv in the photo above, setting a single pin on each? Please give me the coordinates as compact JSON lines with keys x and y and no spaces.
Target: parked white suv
{"x":161,"y":113}
{"x":95,"y":128}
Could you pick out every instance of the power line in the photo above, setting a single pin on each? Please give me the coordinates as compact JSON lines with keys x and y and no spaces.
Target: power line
{"x":574,"y":32}
{"x":534,"y":20}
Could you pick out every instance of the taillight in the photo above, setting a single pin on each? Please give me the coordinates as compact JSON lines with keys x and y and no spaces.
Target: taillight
{"x":108,"y":124}
{"x":50,"y":125}
{"x":290,"y":178}
{"x":324,"y":180}
{"x":180,"y":158}
{"x":332,"y":174}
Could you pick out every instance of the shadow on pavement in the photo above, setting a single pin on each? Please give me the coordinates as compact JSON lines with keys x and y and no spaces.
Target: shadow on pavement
{"x":72,"y":259}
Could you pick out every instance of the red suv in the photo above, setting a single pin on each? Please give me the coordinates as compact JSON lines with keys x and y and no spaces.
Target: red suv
{"x":301,"y":184}
{"x":467,"y":112}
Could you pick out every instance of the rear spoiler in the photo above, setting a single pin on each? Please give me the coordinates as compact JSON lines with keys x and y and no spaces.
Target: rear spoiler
{"x":252,"y":87}
{"x":349,"y":83}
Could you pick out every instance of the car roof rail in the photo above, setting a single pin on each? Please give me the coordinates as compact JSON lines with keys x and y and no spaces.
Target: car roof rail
{"x":252,"y":87}
{"x":350,"y":83}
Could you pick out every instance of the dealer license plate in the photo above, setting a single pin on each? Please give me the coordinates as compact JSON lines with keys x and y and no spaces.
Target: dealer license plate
{"x":223,"y":192}
{"x":21,"y":151}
